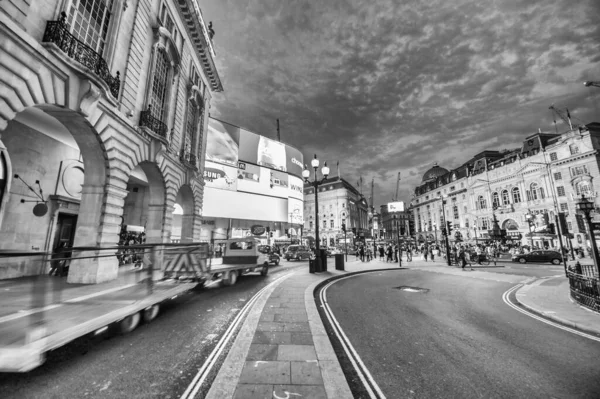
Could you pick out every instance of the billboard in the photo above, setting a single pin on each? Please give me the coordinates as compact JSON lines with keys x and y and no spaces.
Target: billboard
{"x":220,"y":176}
{"x":263,"y":151}
{"x":249,"y":178}
{"x":222,"y":143}
{"x":295,"y":211}
{"x":296,"y":187}
{"x":396,"y":206}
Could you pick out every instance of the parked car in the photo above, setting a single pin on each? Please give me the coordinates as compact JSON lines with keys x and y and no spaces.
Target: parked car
{"x":297,"y":252}
{"x":539,"y":256}
{"x":331,"y":251}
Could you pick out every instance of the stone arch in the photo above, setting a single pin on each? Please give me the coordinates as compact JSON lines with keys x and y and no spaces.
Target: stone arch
{"x":185,"y":199}
{"x":510,"y":225}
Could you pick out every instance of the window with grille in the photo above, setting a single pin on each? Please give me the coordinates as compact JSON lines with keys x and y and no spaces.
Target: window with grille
{"x":332,"y":225}
{"x":583,"y":188}
{"x":553,"y":156}
{"x":495,"y":200}
{"x":194,"y":77}
{"x":158,"y":98}
{"x":484,"y":224}
{"x":564,"y":207}
{"x":89,"y":20}
{"x":505,"y":197}
{"x":481,"y":203}
{"x":455,"y":209}
{"x":192,"y":123}
{"x":579,"y":170}
{"x":574,"y":149}
{"x":536,"y":192}
{"x":561,"y":191}
{"x":557,"y":176}
{"x":516,"y":194}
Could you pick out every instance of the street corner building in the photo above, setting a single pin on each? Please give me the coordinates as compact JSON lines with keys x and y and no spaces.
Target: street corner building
{"x":528,"y":194}
{"x":103,"y":109}
{"x":253,"y":187}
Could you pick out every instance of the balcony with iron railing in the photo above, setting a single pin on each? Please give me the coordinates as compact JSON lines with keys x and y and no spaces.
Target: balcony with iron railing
{"x":57,"y":32}
{"x":155,"y":125}
{"x":189,"y":159}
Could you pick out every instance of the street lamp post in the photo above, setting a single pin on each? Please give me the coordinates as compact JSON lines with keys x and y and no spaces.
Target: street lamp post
{"x":447,"y":241}
{"x":529,"y":218}
{"x":435,"y":232}
{"x":586,"y":207}
{"x":591,"y":83}
{"x":316,"y":183}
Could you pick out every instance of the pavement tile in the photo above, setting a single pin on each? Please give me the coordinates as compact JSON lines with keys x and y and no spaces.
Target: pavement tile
{"x":262,"y":352}
{"x":299,"y":317}
{"x":299,"y":391}
{"x":316,"y":328}
{"x":297,"y":311}
{"x":296,"y":352}
{"x":296,"y":327}
{"x":253,"y":391}
{"x":302,"y":339}
{"x":265,"y":372}
{"x":272,"y":337}
{"x":269,"y":326}
{"x":293,"y":305}
{"x":306,"y":373}
{"x":336,"y":386}
{"x":267,"y":317}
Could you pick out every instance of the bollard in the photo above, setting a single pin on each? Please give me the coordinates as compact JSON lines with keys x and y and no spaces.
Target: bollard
{"x":339,"y":262}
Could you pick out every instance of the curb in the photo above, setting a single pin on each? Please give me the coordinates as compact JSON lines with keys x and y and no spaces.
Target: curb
{"x":552,"y":317}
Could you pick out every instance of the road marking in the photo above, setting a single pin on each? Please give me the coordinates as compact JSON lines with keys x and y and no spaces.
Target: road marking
{"x":506,"y":299}
{"x":362,"y":371}
{"x":204,"y":371}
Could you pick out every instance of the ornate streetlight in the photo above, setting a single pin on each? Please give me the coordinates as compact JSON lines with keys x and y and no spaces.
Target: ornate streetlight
{"x":586,"y":207}
{"x":316,"y":183}
{"x":591,"y":83}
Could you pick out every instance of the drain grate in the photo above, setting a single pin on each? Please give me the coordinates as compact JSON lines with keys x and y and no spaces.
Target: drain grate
{"x":411,"y":289}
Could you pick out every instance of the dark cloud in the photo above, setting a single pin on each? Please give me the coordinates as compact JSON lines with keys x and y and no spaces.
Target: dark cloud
{"x":386,"y":87}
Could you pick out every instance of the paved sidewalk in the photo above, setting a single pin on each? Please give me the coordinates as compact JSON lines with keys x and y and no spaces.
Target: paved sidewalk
{"x":550,"y":297}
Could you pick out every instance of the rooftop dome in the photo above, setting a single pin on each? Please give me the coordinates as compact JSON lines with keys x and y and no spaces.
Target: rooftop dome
{"x":433,"y":173}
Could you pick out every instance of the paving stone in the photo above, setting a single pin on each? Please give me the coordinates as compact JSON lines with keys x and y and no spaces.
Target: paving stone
{"x":296,"y":327}
{"x":299,"y":391}
{"x":336,"y":386}
{"x":296,"y":352}
{"x":290,"y":317}
{"x":269,"y":326}
{"x":298,"y":311}
{"x":267,"y":317}
{"x":323,"y":347}
{"x":317,"y":328}
{"x":293,"y":305}
{"x":267,"y":372}
{"x":306,"y":373}
{"x":253,"y":391}
{"x":302,"y":339}
{"x":262,"y":352}
{"x":272,"y":337}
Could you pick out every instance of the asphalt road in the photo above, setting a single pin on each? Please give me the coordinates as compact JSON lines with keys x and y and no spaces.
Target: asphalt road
{"x":157,"y":360}
{"x":458,"y":340}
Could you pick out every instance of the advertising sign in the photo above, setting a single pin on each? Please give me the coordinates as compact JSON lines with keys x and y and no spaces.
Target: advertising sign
{"x":257,"y":230}
{"x":222,"y":143}
{"x":296,"y":186}
{"x":294,"y":161}
{"x":220,"y":176}
{"x":295,"y":211}
{"x":396,"y":206}
{"x":269,"y":153}
{"x":278,"y":183}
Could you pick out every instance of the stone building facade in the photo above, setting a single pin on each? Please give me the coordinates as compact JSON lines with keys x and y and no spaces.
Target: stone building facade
{"x":393,"y":224}
{"x":103,"y":109}
{"x":339,"y":202}
{"x":525,"y":189}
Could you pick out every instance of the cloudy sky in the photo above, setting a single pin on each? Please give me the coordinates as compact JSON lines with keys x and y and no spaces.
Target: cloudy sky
{"x":388,"y":86}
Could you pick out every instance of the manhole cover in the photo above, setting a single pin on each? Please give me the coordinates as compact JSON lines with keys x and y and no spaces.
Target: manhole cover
{"x":411,"y":289}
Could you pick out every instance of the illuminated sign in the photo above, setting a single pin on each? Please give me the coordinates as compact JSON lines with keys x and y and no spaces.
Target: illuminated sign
{"x":396,"y":206}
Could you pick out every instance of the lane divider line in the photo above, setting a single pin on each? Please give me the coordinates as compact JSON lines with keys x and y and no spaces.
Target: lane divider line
{"x":205,"y":369}
{"x":362,"y":371}
{"x":506,"y":299}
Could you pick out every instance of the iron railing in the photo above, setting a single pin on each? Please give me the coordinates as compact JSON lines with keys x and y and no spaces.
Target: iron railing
{"x":57,"y":32}
{"x":189,"y":159}
{"x":152,"y":123}
{"x":585,"y":290}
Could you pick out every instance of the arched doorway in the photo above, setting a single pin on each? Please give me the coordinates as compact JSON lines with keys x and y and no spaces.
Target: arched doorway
{"x":145,"y":205}
{"x":54,"y":157}
{"x":182,"y":226}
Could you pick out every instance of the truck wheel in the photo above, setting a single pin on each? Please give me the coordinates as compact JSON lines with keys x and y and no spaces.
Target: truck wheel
{"x":265,"y":270}
{"x":231,"y":278}
{"x":150,"y":313}
{"x":129,"y":323}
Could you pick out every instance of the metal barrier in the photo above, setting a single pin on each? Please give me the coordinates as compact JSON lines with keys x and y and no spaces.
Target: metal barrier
{"x":585,"y":290}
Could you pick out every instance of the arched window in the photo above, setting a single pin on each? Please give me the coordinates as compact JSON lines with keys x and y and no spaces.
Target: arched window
{"x":495,"y":200}
{"x":516,"y":194}
{"x":536,"y":192}
{"x":158,"y":102}
{"x":89,"y":21}
{"x":583,"y":187}
{"x":505,"y":197}
{"x":481,"y":203}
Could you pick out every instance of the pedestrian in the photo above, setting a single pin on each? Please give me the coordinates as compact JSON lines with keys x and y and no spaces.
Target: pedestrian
{"x":395,"y":253}
{"x":466,"y":259}
{"x":381,"y":252}
{"x":389,"y":253}
{"x":369,"y":252}
{"x":425,"y":253}
{"x":362,"y":253}
{"x":58,"y":262}
{"x":409,"y":254}
{"x":432,"y":255}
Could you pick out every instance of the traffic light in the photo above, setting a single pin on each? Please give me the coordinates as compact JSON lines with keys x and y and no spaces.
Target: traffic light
{"x":443,"y":231}
{"x":375,"y":235}
{"x":271,"y":234}
{"x":344,"y":227}
{"x":381,"y":233}
{"x":286,"y":232}
{"x":354,"y":230}
{"x":449,"y":228}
